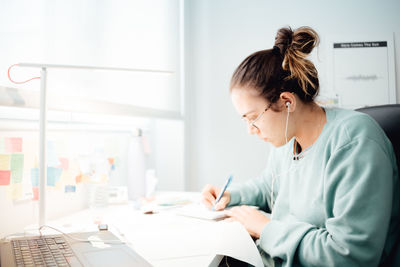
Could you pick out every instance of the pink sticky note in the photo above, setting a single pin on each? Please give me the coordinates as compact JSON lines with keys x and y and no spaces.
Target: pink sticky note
{"x":13,"y":144}
{"x":5,"y":177}
{"x":64,"y":163}
{"x":35,"y":191}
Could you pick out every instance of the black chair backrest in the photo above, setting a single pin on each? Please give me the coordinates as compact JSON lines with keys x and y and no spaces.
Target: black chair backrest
{"x":388,"y":117}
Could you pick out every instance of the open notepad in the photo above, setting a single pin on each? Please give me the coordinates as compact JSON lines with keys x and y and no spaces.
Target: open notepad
{"x":200,"y":211}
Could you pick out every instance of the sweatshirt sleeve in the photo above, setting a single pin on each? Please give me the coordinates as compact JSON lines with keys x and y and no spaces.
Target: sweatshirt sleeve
{"x":358,"y":200}
{"x":255,"y":192}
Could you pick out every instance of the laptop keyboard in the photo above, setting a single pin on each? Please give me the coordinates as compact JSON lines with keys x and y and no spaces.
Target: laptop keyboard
{"x":42,"y":251}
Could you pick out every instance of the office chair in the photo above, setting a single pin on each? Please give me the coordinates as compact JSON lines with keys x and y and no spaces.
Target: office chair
{"x":388,"y":117}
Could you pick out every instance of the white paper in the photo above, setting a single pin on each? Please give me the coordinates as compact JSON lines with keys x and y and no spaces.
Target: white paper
{"x":187,"y":237}
{"x":226,"y":238}
{"x":233,"y":240}
{"x":201,"y":212}
{"x":96,"y":242}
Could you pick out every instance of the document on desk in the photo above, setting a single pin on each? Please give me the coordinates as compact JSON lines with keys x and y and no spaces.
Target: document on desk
{"x":232,"y":239}
{"x":228,"y":238}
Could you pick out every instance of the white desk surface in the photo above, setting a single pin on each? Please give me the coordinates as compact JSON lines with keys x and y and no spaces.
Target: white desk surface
{"x":164,"y":238}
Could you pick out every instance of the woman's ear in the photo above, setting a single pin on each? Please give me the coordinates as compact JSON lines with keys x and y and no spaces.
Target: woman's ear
{"x":288,"y":100}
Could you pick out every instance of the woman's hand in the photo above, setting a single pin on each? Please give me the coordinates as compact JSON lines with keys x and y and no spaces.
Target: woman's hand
{"x":210,"y":194}
{"x":253,"y":220}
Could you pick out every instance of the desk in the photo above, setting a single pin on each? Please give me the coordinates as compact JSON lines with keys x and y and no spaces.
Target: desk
{"x":163,"y":238}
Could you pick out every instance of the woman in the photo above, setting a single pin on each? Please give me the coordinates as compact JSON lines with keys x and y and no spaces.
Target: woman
{"x":331,"y":181}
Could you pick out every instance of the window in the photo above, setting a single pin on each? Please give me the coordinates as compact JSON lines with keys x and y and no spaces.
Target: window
{"x":95,"y":108}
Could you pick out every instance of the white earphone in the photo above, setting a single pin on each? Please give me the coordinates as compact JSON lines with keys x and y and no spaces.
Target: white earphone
{"x":287,"y":120}
{"x":273,"y":176}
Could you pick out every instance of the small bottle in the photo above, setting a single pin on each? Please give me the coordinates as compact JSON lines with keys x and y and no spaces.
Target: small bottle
{"x":136,"y":167}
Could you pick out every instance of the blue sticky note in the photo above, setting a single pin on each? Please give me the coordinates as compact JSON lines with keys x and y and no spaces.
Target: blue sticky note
{"x":53,"y":175}
{"x":70,"y":189}
{"x":35,"y":176}
{"x":52,"y":159}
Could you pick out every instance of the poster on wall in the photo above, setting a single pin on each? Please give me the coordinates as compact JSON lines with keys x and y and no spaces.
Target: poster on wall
{"x":362,"y":71}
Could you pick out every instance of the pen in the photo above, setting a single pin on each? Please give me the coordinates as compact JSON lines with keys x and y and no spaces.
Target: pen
{"x":223,"y":190}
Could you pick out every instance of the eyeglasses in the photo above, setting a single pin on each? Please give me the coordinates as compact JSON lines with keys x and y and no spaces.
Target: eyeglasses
{"x":252,"y":123}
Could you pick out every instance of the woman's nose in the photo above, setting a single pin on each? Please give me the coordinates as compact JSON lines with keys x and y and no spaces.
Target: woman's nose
{"x":252,"y":129}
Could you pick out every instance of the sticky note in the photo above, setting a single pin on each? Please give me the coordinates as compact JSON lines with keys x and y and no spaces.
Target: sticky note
{"x":17,"y":167}
{"x":53,"y":175}
{"x":14,"y":191}
{"x":85,"y":178}
{"x":4,"y":162}
{"x":5,"y":177}
{"x":2,"y":146}
{"x":35,"y":176}
{"x":13,"y":144}
{"x":78,"y":179}
{"x":64,"y":163}
{"x":35,"y":162}
{"x":70,"y":189}
{"x":52,"y":159}
{"x":111,"y":161}
{"x":67,"y":177}
{"x":35,"y":192}
{"x":59,"y":186}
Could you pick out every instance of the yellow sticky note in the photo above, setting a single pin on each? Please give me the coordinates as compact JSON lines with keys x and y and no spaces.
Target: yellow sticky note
{"x":14,"y":191}
{"x":4,"y":162}
{"x":85,"y":179}
{"x":59,"y":185}
{"x":67,"y":177}
{"x":35,"y":162}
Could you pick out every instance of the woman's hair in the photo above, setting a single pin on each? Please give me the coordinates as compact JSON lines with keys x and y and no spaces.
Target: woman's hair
{"x":284,"y":68}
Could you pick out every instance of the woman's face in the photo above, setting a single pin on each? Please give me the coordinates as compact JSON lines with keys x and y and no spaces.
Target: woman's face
{"x":270,"y":126}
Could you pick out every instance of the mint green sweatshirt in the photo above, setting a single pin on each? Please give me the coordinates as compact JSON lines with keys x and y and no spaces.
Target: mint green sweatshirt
{"x":338,"y":205}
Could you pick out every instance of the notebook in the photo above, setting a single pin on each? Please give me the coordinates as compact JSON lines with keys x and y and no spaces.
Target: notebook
{"x":199,"y":211}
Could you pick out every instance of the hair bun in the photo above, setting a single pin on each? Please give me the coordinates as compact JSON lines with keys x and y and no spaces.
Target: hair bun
{"x":303,"y":40}
{"x":283,"y":39}
{"x":295,"y":46}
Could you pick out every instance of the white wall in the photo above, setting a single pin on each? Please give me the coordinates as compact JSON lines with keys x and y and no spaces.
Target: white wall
{"x":219,"y":35}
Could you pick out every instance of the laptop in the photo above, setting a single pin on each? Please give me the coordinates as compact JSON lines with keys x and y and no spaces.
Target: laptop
{"x":61,"y":250}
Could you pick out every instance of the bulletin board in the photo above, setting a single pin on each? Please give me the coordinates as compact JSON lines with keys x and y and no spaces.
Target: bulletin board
{"x":73,"y":158}
{"x":361,"y":70}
